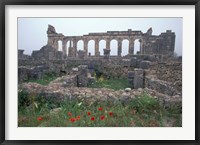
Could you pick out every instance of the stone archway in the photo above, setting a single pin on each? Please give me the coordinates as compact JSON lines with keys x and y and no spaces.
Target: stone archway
{"x":113,"y":47}
{"x":60,"y":45}
{"x":125,"y":47}
{"x":80,"y":45}
{"x":137,"y":46}
{"x":102,"y":45}
{"x":91,"y":47}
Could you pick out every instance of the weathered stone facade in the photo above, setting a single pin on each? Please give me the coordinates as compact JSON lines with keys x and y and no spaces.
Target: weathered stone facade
{"x":162,"y":44}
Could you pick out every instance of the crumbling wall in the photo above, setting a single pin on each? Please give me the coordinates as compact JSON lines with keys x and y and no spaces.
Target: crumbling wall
{"x":47,"y":52}
{"x":169,"y":72}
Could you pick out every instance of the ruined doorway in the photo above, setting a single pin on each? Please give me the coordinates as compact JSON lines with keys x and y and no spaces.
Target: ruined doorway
{"x":102,"y":45}
{"x":125,"y":47}
{"x":80,"y":45}
{"x":59,"y":45}
{"x":91,"y":47}
{"x":113,"y":47}
{"x":137,"y":46}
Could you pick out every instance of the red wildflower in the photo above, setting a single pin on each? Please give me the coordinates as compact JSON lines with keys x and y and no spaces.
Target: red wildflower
{"x":39,"y":118}
{"x":111,"y":113}
{"x":72,"y":119}
{"x":69,"y":113}
{"x":100,"y":109}
{"x":78,"y":117}
{"x":88,"y":113}
{"x":102,"y":117}
{"x":92,"y":118}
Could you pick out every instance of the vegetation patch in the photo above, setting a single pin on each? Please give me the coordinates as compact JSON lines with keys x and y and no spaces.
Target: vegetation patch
{"x":46,"y":79}
{"x":143,"y":111}
{"x":115,"y":84}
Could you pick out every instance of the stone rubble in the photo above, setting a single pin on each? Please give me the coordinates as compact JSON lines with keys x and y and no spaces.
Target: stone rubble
{"x":57,"y":93}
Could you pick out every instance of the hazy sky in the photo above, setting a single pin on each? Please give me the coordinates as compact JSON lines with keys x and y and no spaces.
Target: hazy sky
{"x":32,"y":31}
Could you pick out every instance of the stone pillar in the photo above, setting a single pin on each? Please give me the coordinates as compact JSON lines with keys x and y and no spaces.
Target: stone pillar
{"x":86,"y":47}
{"x":141,"y":49}
{"x":74,"y":47}
{"x":131,"y":47}
{"x":64,"y":48}
{"x":138,"y":81}
{"x":55,"y":44}
{"x":108,"y":44}
{"x":119,"y":51}
{"x":96,"y":47}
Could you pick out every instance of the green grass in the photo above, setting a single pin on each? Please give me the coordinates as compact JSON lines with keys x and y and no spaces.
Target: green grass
{"x":115,"y":84}
{"x":46,"y":79}
{"x":144,"y":111}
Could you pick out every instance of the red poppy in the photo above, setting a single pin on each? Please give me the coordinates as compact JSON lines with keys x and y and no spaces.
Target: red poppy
{"x":72,"y":119}
{"x":92,"y":118}
{"x":111,"y":113}
{"x":78,"y":117}
{"x":88,"y":113}
{"x":100,"y":109}
{"x":102,"y":117}
{"x":39,"y":118}
{"x":69,"y":113}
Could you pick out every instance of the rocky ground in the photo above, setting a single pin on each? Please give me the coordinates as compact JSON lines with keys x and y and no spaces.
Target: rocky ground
{"x":57,"y":92}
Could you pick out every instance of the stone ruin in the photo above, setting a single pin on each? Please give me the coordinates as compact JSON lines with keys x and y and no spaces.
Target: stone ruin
{"x":162,"y":44}
{"x":153,"y":69}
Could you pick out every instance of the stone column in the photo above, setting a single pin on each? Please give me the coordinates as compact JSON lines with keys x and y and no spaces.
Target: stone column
{"x":108,"y":44}
{"x":55,"y":44}
{"x":119,"y":51}
{"x":86,"y":47}
{"x":131,"y":47}
{"x":141,"y":50}
{"x":64,"y":47}
{"x":74,"y":47}
{"x":138,"y":81}
{"x":96,"y":47}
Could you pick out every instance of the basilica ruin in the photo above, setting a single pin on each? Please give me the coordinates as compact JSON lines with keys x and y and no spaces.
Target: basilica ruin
{"x":162,"y":44}
{"x":153,"y":69}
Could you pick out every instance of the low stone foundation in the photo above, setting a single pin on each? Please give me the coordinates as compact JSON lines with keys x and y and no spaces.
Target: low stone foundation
{"x":57,"y":93}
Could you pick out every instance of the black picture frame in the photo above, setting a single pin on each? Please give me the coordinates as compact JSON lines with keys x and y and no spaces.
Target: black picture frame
{"x":4,"y":3}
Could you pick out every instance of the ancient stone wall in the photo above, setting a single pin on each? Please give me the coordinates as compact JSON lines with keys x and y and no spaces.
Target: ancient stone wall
{"x":162,"y":44}
{"x":169,"y":72}
{"x":47,"y":52}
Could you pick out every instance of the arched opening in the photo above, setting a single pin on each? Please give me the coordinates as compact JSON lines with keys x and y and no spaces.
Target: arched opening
{"x":113,"y":47}
{"x":125,"y":47}
{"x":137,"y":46}
{"x":59,"y":45}
{"x":80,"y":45}
{"x":102,"y":45}
{"x":91,"y":47}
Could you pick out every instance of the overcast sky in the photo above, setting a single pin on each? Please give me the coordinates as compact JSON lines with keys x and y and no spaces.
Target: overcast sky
{"x":32,"y":31}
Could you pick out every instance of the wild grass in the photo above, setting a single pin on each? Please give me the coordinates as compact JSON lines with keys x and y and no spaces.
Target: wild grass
{"x":45,"y":80}
{"x":115,"y":84}
{"x":144,"y":111}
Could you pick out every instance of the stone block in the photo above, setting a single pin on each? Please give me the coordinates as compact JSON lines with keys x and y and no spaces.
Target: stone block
{"x":133,"y":62}
{"x":23,"y":74}
{"x":138,"y":81}
{"x":145,"y":64}
{"x":126,"y":62}
{"x":82,"y":79}
{"x":131,"y":74}
{"x":70,"y":81}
